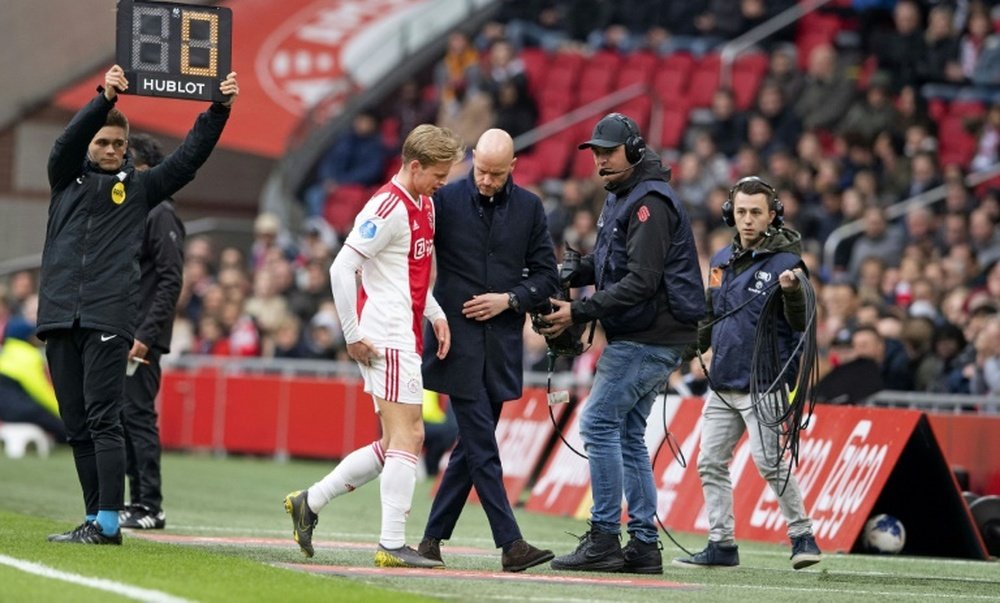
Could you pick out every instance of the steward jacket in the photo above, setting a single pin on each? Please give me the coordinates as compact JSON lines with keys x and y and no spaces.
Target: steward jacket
{"x":24,"y":364}
{"x":90,"y":262}
{"x":475,"y":254}
{"x":649,"y":287}
{"x":161,"y":263}
{"x":739,"y":283}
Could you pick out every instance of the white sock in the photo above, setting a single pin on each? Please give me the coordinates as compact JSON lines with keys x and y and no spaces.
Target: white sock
{"x":357,"y":469}
{"x":398,"y":481}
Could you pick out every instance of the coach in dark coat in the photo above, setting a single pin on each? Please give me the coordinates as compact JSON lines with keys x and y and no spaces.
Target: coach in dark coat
{"x":488,"y":231}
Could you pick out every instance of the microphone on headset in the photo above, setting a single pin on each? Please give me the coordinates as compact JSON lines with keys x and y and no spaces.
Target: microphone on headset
{"x":607,"y":172}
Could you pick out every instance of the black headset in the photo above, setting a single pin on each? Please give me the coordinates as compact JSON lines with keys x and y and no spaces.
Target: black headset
{"x":635,"y":146}
{"x":772,"y":201}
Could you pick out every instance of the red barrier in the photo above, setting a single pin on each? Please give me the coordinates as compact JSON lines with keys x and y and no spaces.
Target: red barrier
{"x":972,"y":442}
{"x":265,"y":414}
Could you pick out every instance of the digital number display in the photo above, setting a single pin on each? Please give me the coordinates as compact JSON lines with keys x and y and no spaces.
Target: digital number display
{"x":174,"y":50}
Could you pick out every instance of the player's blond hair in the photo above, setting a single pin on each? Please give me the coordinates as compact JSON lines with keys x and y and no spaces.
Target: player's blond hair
{"x":430,"y":145}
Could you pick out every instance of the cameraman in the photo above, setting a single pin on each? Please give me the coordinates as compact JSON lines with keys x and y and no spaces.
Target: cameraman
{"x":488,"y":231}
{"x":649,"y":299}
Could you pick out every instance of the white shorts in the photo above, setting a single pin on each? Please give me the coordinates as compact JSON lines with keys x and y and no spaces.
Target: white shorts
{"x":395,"y":376}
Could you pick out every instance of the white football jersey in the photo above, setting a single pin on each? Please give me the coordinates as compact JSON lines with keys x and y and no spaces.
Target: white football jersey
{"x":395,"y":233}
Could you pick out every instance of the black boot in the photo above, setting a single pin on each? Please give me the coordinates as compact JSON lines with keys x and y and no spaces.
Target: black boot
{"x":597,"y":552}
{"x":643,"y":557}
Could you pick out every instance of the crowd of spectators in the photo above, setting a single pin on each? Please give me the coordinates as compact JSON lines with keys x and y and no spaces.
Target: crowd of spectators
{"x":842,"y":133}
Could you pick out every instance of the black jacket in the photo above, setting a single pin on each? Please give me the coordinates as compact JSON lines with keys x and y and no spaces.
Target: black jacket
{"x":90,"y":263}
{"x":652,"y":236}
{"x":162,"y":265}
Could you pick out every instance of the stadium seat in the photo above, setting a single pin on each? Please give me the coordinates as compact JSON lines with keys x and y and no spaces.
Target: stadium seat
{"x":636,"y":68}
{"x":571,"y":61}
{"x":670,"y":81}
{"x":704,"y":83}
{"x":966,"y":108}
{"x":562,"y":78}
{"x":529,"y":169}
{"x":344,"y":204}
{"x":745,"y":84}
{"x":757,"y":62}
{"x":595,"y":82}
{"x":957,"y":145}
{"x":551,"y":156}
{"x":583,"y":165}
{"x":606,"y":60}
{"x":937,"y":108}
{"x":812,"y":30}
{"x":672,"y":129}
{"x":638,"y":109}
{"x":536,"y":64}
{"x":553,"y":102}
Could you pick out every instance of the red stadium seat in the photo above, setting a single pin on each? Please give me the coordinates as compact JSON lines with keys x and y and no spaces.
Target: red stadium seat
{"x":562,"y":78}
{"x":672,"y":130}
{"x":569,"y":60}
{"x":594,"y":83}
{"x":957,"y":145}
{"x":744,"y":85}
{"x":704,"y":83}
{"x":536,"y":65}
{"x":344,"y":204}
{"x":583,"y":164}
{"x":670,"y":83}
{"x":757,"y":62}
{"x":607,"y":60}
{"x":528,"y":170}
{"x":937,"y":108}
{"x":638,"y":109}
{"x":551,"y":155}
{"x":966,"y":108}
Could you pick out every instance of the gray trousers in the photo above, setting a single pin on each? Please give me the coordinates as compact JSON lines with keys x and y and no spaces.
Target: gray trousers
{"x":721,"y":429}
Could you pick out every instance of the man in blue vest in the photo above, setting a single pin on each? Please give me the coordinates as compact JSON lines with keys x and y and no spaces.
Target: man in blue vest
{"x":649,"y":297}
{"x":488,"y":231}
{"x":763,"y":255}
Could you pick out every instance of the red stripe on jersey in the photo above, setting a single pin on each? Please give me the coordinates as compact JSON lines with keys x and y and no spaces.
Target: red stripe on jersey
{"x":421,"y":220}
{"x":387,"y":206}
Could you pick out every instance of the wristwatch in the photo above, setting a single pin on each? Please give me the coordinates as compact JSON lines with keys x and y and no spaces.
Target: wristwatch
{"x":512,"y":302}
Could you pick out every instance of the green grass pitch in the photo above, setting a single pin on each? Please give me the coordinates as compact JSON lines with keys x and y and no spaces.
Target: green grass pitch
{"x":228,"y":539}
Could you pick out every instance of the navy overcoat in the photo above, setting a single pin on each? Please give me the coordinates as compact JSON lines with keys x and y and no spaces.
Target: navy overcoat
{"x":474,"y":256}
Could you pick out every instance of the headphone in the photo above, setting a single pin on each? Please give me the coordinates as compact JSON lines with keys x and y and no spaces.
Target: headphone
{"x":635,"y":146}
{"x":772,"y":201}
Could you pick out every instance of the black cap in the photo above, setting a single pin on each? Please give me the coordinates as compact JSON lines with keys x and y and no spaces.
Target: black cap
{"x":612,"y":131}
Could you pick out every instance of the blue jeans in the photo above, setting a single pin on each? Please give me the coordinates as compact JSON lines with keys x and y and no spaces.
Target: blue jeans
{"x":613,"y":428}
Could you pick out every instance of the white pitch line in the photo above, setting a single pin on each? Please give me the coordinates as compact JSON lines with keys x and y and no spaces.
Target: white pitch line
{"x":132,"y":592}
{"x":843,"y":591}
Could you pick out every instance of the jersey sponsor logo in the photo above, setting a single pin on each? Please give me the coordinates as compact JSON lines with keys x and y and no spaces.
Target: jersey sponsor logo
{"x":643,"y":213}
{"x":118,"y":193}
{"x":367,"y":229}
{"x":422,"y":248}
